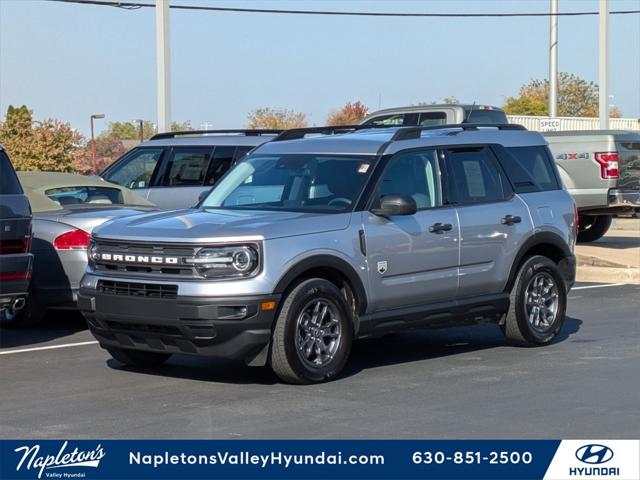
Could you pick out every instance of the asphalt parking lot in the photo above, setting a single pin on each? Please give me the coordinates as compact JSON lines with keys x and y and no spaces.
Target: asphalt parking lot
{"x":455,"y":383}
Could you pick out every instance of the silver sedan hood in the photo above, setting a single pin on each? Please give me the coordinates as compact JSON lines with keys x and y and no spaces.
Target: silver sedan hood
{"x":88,"y":218}
{"x":219,"y":225}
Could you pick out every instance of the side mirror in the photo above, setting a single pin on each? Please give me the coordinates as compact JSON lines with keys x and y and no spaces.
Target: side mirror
{"x":391,"y":205}
{"x":201,"y":197}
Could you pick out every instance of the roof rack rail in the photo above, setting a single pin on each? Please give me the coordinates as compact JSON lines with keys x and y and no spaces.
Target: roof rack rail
{"x":297,"y":133}
{"x":246,"y":132}
{"x":410,"y":133}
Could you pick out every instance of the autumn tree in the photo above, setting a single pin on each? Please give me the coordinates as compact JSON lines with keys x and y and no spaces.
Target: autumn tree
{"x":48,"y":145}
{"x":350,"y":114}
{"x":128,"y":130}
{"x":576,"y":98}
{"x":108,"y":149}
{"x":276,"y":118}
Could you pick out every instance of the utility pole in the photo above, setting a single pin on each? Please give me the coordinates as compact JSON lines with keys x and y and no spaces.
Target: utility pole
{"x":163,"y":61}
{"x":553,"y":60}
{"x":95,"y":116}
{"x":603,"y":65}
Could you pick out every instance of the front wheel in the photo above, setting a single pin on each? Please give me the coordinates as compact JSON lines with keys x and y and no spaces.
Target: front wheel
{"x":312,"y":335}
{"x":537,"y":303}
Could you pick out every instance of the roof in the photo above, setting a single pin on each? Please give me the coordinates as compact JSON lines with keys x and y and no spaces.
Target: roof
{"x":371,"y":141}
{"x":210,"y":138}
{"x":35,"y":184}
{"x":427,"y":108}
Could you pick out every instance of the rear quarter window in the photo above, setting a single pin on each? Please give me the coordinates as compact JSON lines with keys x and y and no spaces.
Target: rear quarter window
{"x":9,"y":184}
{"x":485,"y":116}
{"x":537,"y":162}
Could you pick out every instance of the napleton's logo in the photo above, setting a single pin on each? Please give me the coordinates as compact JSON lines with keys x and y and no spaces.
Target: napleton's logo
{"x":31,"y":458}
{"x":150,"y":259}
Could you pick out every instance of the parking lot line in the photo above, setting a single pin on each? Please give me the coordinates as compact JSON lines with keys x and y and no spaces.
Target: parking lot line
{"x":598,"y":286}
{"x":51,"y":347}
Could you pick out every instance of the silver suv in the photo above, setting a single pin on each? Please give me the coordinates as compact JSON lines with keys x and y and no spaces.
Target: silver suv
{"x":310,"y":243}
{"x":173,"y":169}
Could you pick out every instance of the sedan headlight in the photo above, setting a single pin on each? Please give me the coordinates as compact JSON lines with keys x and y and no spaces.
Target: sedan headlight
{"x":220,"y":262}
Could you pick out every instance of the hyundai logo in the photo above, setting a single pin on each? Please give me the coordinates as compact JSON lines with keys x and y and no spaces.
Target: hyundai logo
{"x":594,"y":454}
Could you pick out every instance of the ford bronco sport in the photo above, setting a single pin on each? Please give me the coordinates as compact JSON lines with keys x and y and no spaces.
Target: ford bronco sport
{"x":310,"y":243}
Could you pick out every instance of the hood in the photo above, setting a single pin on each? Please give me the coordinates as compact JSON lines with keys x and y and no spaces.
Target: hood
{"x":219,"y":225}
{"x":87,"y":218}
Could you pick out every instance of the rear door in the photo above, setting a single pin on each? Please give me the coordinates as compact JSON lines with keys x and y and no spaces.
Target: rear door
{"x":182,"y":177}
{"x":493,"y":220}
{"x":410,"y":262}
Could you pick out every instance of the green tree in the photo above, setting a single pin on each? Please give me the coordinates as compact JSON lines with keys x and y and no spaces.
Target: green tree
{"x":350,"y":114}
{"x":48,"y":145}
{"x":181,"y":126}
{"x":576,"y":98}
{"x":128,"y":130}
{"x":276,"y":118}
{"x":450,"y":100}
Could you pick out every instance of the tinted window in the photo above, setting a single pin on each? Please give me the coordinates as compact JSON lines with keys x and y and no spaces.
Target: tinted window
{"x":9,"y":184}
{"x":80,"y":195}
{"x":220,"y":163}
{"x":536,"y":162}
{"x":414,"y":174}
{"x":476,"y":177}
{"x":394,"y":120}
{"x":187,"y":167}
{"x":295,"y":182}
{"x":242,"y":151}
{"x":478,"y":115}
{"x":136,"y":168}
{"x":432,"y":118}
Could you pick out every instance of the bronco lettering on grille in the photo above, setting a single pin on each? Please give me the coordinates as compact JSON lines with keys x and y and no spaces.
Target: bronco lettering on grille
{"x":117,"y":257}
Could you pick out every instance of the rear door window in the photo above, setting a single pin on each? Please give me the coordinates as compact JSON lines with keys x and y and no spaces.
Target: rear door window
{"x":474,"y":176}
{"x":187,"y":166}
{"x":479,"y":115}
{"x":537,"y":162}
{"x":9,"y":184}
{"x":136,"y":169}
{"x":432,"y":118}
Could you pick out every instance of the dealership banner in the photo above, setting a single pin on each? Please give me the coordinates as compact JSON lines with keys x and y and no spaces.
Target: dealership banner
{"x":309,"y":459}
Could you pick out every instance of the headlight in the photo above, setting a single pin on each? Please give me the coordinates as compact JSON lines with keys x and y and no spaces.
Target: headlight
{"x":218,"y":262}
{"x":92,"y":253}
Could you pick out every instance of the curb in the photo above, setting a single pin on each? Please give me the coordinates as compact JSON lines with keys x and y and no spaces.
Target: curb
{"x":585,"y":273}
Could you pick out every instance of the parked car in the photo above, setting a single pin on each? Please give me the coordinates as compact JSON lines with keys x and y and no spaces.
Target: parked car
{"x":66,"y":208}
{"x":310,"y":243}
{"x":15,"y":239}
{"x":601,"y":169}
{"x":172,"y":170}
{"x":429,"y":115}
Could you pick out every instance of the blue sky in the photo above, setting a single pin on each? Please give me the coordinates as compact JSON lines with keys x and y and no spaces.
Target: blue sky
{"x":68,"y":61}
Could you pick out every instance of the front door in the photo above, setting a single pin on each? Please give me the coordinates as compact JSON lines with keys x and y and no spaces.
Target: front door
{"x":412,"y":259}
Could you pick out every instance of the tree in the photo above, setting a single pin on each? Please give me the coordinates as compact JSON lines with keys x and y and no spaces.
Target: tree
{"x":128,"y":130}
{"x":576,"y":98}
{"x":49,"y":145}
{"x":450,"y":100}
{"x":181,"y":126}
{"x":277,"y":118}
{"x":108,"y":149}
{"x":349,"y":114}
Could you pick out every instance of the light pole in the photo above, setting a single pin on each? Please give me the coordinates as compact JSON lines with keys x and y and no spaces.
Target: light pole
{"x":93,"y":141}
{"x":553,"y":60}
{"x":141,"y":128}
{"x":603,"y":65}
{"x":163,"y":66}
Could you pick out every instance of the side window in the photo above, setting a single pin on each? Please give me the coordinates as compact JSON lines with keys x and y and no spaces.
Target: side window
{"x":414,"y":174}
{"x":535,"y":161}
{"x":220,"y":163}
{"x":394,"y":120}
{"x":241,"y":152}
{"x":187,"y":166}
{"x":135,"y":169}
{"x":432,"y":118}
{"x":475,"y":176}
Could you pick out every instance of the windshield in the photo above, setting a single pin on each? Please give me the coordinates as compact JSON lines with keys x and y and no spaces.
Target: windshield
{"x":293,"y":182}
{"x":85,"y":194}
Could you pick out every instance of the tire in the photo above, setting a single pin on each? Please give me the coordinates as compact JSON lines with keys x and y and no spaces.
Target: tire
{"x":30,"y":315}
{"x":309,"y":346}
{"x":593,"y":227}
{"x":137,"y":358}
{"x":537,"y":274}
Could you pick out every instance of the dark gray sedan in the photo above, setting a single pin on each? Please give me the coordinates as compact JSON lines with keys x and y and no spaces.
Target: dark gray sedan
{"x":66,"y":209}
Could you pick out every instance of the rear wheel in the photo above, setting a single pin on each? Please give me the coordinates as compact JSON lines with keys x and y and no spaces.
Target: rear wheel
{"x":312,"y":335}
{"x":537,"y":303}
{"x":593,"y":227}
{"x":137,"y":358}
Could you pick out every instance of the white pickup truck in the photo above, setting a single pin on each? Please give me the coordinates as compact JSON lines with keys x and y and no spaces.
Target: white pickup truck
{"x":601,"y":170}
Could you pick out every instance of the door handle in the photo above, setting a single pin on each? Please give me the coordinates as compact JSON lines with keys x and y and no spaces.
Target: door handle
{"x":440,"y":227}
{"x":510,"y":219}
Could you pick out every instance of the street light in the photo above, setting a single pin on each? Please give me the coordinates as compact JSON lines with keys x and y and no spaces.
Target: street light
{"x":93,"y":141}
{"x":141,"y":127}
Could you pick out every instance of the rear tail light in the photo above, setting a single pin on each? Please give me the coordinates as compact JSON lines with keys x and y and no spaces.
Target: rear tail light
{"x":14,"y":276}
{"x":73,"y":240}
{"x":15,"y":246}
{"x":609,"y":164}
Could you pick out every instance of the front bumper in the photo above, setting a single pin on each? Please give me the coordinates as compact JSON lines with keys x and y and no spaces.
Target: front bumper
{"x":234,"y":327}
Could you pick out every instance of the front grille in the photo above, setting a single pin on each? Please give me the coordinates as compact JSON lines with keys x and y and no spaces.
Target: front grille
{"x":180,"y":269}
{"x":129,"y":289}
